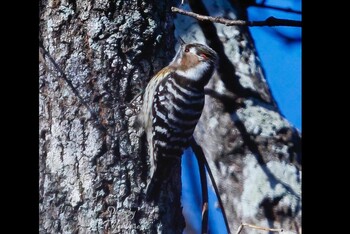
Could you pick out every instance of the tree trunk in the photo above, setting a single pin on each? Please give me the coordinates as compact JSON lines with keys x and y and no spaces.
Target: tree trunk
{"x":253,"y":152}
{"x":93,"y":164}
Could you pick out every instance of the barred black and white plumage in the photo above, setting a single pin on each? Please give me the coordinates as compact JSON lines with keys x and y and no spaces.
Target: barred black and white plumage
{"x":172,"y":105}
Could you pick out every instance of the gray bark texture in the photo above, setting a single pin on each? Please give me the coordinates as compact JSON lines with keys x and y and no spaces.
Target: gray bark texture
{"x":93,"y":164}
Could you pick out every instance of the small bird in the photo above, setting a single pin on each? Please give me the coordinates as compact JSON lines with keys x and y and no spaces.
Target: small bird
{"x":172,"y":105}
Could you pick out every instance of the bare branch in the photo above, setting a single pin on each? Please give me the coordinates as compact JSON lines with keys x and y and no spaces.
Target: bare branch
{"x":271,"y":21}
{"x":204,"y":209}
{"x":202,"y":160}
{"x":240,"y":228}
{"x":204,"y":185}
{"x":205,"y":217}
{"x":297,"y":228}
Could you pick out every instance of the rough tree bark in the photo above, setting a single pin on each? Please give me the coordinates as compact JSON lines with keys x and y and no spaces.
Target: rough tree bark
{"x":93,"y":167}
{"x":253,"y":151}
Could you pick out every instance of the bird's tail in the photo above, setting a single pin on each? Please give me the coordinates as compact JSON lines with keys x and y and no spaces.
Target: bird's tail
{"x":161,"y":176}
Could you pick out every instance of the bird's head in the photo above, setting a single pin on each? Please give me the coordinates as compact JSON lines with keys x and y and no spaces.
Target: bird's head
{"x":195,"y":62}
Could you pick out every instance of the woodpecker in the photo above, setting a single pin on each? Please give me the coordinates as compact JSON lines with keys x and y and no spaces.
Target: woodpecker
{"x":172,"y":105}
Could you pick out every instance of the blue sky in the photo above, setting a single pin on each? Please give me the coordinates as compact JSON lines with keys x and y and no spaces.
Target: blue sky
{"x":281,"y":61}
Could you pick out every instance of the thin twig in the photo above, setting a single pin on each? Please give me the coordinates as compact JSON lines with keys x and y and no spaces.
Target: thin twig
{"x":204,"y":185}
{"x":297,"y":228}
{"x":45,"y":53}
{"x":271,"y":21}
{"x":240,"y":228}
{"x":204,"y":208}
{"x":205,"y":217}
{"x":201,"y":157}
{"x":136,"y":96}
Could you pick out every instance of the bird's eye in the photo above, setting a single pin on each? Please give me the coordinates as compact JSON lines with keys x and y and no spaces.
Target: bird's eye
{"x":187,"y":50}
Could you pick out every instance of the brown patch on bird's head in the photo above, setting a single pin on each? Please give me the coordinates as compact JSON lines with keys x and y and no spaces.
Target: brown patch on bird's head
{"x":190,"y":55}
{"x":195,"y":53}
